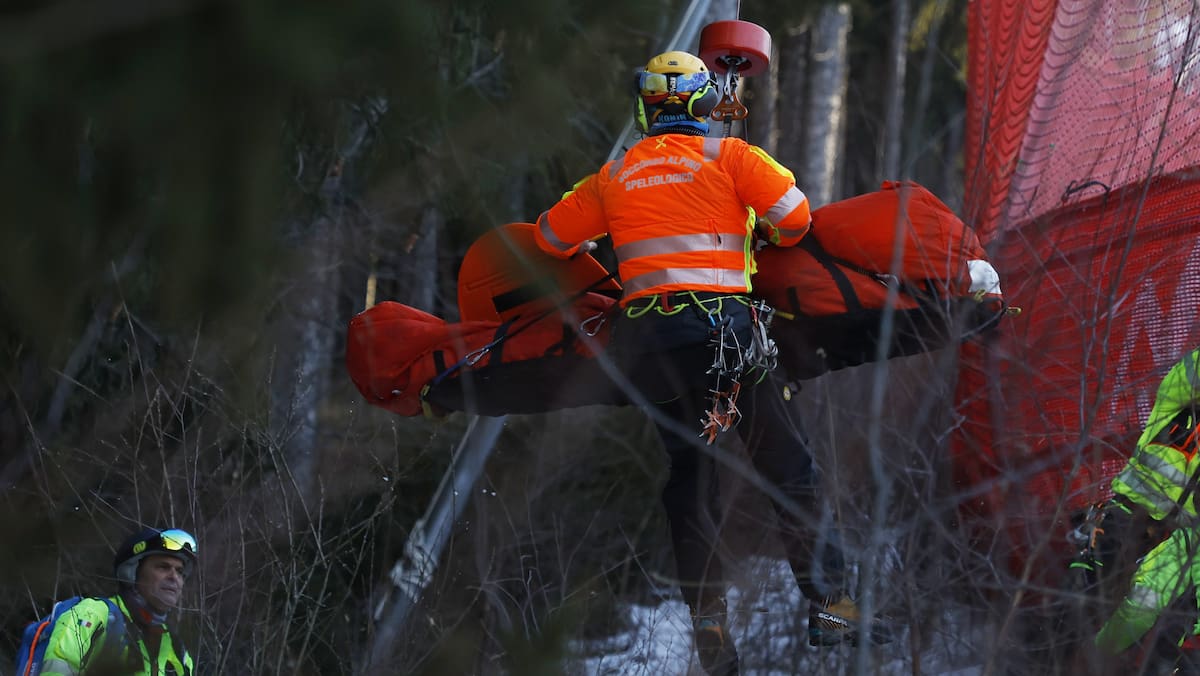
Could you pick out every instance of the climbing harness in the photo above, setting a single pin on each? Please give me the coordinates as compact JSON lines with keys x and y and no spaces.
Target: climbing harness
{"x":732,"y":361}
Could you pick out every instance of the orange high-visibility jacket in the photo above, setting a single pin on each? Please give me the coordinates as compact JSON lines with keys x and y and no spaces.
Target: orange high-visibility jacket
{"x":681,"y":212}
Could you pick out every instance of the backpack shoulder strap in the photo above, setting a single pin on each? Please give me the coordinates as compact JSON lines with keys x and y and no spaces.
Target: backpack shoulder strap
{"x":114,"y":633}
{"x":181,"y":652}
{"x":116,"y":616}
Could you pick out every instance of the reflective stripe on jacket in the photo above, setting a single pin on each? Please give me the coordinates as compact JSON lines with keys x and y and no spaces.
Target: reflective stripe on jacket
{"x":1157,"y":474}
{"x":77,"y":637}
{"x":681,"y":211}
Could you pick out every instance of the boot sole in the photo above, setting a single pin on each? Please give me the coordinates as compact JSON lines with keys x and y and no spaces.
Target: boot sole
{"x":822,"y":640}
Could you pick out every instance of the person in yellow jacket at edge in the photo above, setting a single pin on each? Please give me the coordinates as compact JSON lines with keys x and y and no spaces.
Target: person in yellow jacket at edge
{"x":685,"y":212}
{"x":151,"y":568}
{"x":1155,"y":492}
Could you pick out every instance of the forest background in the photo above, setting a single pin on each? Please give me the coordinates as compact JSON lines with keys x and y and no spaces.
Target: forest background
{"x":199,"y":194}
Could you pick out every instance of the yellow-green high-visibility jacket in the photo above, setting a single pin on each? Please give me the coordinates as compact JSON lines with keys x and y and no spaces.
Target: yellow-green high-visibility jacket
{"x":78,"y":636}
{"x":1157,"y":474}
{"x":1162,"y":577}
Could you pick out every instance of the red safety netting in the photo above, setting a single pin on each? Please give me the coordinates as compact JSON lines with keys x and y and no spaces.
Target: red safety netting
{"x":1083,"y":180}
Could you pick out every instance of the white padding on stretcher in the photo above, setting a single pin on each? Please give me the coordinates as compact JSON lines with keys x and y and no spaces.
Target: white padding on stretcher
{"x":984,"y":277}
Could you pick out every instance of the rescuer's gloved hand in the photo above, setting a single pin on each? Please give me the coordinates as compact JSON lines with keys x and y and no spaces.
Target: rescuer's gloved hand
{"x":1083,"y":575}
{"x":587,"y":247}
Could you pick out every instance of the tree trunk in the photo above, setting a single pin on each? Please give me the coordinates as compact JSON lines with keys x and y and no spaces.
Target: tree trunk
{"x":762,"y":98}
{"x":950,"y":186}
{"x":826,"y":102}
{"x":792,"y":89}
{"x":306,"y":342}
{"x":889,"y":148}
{"x":915,"y":143}
{"x":416,"y":268}
{"x":306,"y":332}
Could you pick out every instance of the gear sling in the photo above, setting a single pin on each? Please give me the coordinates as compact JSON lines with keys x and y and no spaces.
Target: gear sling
{"x":737,"y":352}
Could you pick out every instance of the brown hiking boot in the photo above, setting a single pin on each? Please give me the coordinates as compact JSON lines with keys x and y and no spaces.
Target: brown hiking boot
{"x":838,"y":621}
{"x":715,"y":647}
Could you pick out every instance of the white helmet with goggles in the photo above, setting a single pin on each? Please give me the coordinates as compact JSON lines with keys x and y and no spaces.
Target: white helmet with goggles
{"x":152,"y":541}
{"x":675,"y":92}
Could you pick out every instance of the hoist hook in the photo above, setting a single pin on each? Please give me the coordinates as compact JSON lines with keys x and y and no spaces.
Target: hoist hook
{"x":730,"y":49}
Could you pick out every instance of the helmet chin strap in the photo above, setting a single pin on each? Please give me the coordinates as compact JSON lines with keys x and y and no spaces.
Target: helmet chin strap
{"x":683,"y":128}
{"x":673,"y":119}
{"x":671,"y":123}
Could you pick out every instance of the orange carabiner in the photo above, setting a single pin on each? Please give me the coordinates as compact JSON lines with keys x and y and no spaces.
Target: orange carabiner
{"x":730,"y":108}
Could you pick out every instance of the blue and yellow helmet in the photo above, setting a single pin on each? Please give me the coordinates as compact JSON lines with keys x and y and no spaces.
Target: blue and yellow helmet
{"x":171,"y":542}
{"x":674,"y":92}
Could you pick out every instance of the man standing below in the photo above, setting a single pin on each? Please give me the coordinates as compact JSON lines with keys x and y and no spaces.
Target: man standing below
{"x":685,"y":213}
{"x":1154,"y":498}
{"x":151,"y":568}
{"x":1152,"y":495}
{"x":1163,"y":577}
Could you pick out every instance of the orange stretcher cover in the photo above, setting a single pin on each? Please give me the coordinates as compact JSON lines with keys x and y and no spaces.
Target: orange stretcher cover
{"x":516,"y":347}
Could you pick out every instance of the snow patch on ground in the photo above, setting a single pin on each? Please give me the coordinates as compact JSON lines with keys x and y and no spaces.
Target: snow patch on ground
{"x":768,"y":620}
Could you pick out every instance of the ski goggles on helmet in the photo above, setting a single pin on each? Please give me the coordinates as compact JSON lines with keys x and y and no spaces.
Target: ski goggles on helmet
{"x":175,"y":540}
{"x":653,"y":85}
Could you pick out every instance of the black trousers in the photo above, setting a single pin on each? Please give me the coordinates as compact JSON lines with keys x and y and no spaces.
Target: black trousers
{"x":779,"y":450}
{"x":666,"y":358}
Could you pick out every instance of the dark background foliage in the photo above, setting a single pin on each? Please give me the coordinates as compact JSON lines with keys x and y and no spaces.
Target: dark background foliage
{"x":179,"y":180}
